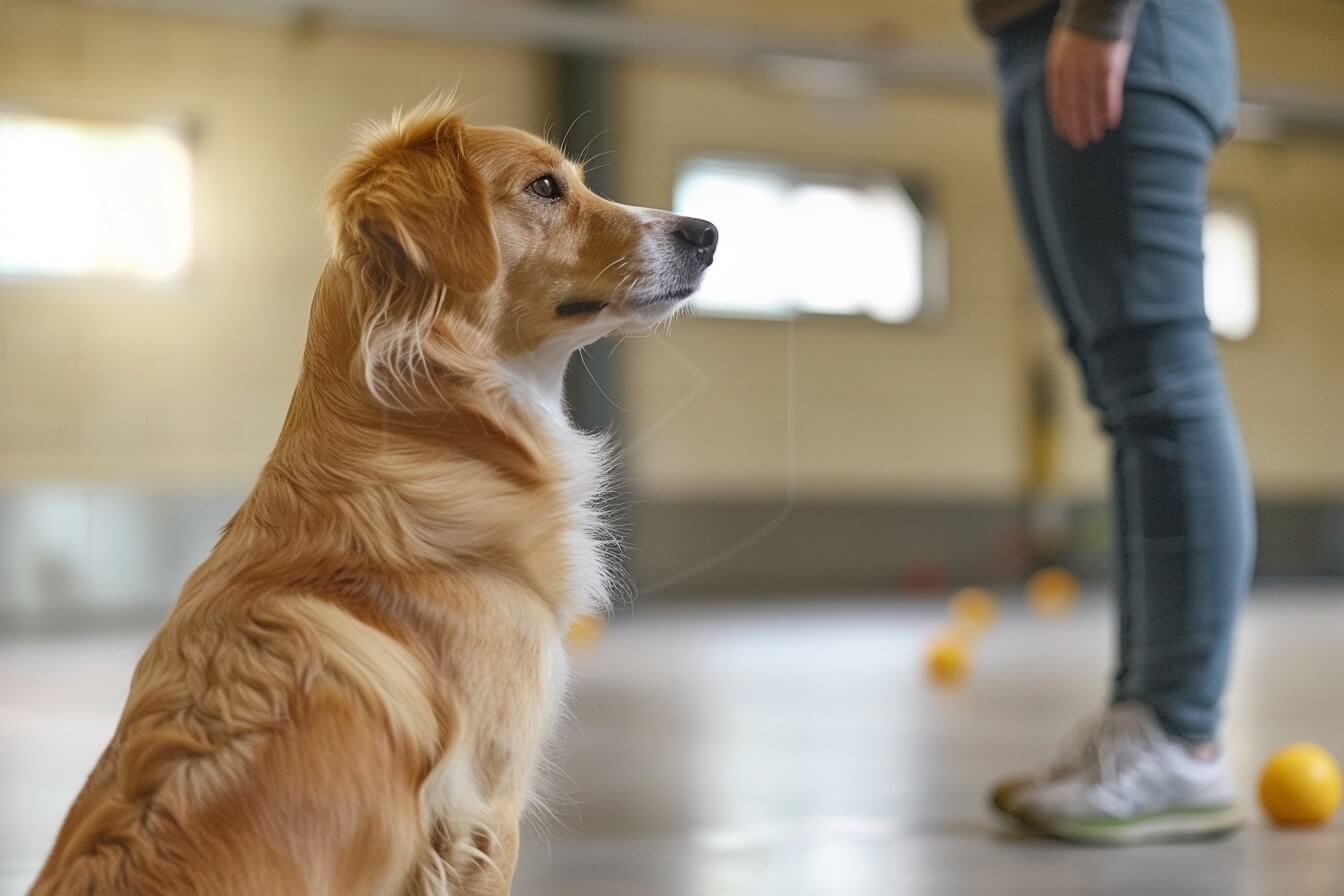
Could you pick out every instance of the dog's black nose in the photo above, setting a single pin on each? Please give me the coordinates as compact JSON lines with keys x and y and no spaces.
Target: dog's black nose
{"x":700,"y":234}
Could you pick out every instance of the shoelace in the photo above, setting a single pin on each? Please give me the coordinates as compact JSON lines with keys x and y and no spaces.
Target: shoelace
{"x":1120,"y":756}
{"x":1103,"y":746}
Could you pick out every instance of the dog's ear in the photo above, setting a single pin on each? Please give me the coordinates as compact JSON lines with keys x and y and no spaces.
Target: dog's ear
{"x":413,"y":202}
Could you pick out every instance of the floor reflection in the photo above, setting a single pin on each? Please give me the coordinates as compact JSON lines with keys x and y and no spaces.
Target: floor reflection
{"x":789,"y":749}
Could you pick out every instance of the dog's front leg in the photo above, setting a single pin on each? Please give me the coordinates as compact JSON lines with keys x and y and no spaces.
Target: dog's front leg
{"x":487,"y":870}
{"x":474,"y":860}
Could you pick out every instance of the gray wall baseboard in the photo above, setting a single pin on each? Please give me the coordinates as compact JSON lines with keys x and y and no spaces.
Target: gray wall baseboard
{"x":76,"y":553}
{"x":722,"y":546}
{"x":80,"y":553}
{"x":760,"y":547}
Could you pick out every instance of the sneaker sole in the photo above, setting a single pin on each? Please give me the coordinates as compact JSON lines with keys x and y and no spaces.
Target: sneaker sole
{"x":1173,"y":825}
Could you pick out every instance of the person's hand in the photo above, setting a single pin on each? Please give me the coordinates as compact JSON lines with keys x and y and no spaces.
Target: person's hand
{"x":1084,"y":84}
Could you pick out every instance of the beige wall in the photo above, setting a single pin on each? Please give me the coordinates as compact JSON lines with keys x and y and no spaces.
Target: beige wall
{"x":1294,"y":41}
{"x":1288,"y":378}
{"x":189,"y":383}
{"x":938,"y":408}
{"x":934,"y":409}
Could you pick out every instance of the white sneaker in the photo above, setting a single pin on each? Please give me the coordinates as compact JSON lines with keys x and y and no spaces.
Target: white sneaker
{"x":1124,"y":781}
{"x":1076,"y":753}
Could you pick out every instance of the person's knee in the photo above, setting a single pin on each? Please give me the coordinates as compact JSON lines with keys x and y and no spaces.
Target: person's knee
{"x":1156,"y":378}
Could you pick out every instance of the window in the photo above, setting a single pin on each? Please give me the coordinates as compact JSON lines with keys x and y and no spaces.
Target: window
{"x":802,"y":242}
{"x":84,"y":198}
{"x":1231,"y":272}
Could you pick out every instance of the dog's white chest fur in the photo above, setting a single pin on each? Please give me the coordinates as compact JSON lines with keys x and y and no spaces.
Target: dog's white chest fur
{"x":536,"y":379}
{"x":449,"y":795}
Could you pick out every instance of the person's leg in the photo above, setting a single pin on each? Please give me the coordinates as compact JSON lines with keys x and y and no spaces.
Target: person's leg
{"x":1116,"y":233}
{"x":1018,"y":112}
{"x":1122,"y":225}
{"x":1120,"y":228}
{"x":1124,"y":681}
{"x":1108,"y":259}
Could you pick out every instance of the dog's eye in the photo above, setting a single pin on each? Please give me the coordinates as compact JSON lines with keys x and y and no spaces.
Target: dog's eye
{"x":545,"y":187}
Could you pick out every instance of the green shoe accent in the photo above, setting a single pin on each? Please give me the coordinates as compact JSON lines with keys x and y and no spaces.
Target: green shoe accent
{"x":1175,"y":824}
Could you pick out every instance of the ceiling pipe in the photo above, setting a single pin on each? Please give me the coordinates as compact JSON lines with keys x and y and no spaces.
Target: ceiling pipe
{"x":810,"y":64}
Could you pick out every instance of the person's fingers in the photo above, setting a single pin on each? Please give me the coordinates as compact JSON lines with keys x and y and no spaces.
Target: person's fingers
{"x":1081,"y":116}
{"x":1093,"y":92}
{"x":1082,"y":110}
{"x":1064,"y":106}
{"x":1084,"y":86}
{"x":1115,"y":99}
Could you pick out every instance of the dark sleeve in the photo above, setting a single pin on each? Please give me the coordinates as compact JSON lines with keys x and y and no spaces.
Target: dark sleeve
{"x":1112,"y":19}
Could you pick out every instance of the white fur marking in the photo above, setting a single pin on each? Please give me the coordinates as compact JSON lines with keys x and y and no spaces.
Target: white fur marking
{"x":537,"y":380}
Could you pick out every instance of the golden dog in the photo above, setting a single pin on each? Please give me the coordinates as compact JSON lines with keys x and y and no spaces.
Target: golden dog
{"x":352,"y":691}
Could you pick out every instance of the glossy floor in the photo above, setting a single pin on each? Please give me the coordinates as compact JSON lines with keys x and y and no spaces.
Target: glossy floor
{"x":794,"y":748}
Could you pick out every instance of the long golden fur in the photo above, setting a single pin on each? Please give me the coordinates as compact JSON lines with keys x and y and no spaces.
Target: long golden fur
{"x":352,"y":691}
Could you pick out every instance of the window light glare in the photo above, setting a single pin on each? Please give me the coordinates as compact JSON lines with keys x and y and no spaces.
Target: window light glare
{"x":812,"y":245}
{"x":742,"y":202}
{"x":93,"y":199}
{"x":1231,"y":274}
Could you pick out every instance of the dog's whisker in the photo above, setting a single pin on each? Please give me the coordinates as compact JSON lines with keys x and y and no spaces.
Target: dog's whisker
{"x":577,"y":118}
{"x":596,"y":276}
{"x":590,"y":142}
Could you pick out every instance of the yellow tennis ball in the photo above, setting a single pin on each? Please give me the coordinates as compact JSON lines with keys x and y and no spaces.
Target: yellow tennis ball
{"x":974,"y":608}
{"x":1052,"y":591}
{"x":584,"y":632}
{"x":1300,"y":785}
{"x":947,"y":660}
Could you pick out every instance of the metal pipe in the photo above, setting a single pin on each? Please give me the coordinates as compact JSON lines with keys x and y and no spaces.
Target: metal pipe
{"x":812,"y":64}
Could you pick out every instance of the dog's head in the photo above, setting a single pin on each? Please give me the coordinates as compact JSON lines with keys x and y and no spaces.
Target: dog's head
{"x":494,"y":229}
